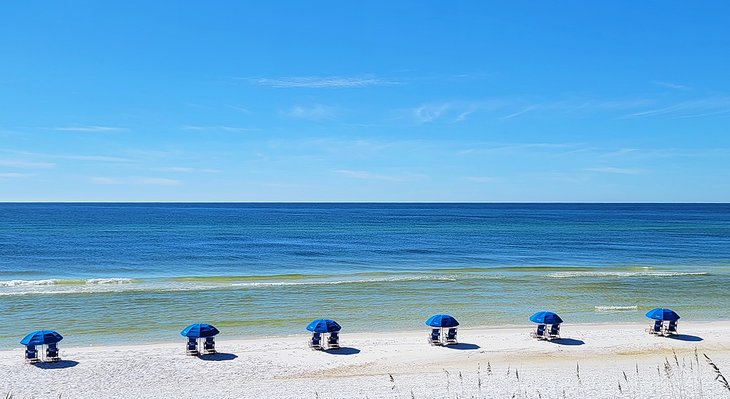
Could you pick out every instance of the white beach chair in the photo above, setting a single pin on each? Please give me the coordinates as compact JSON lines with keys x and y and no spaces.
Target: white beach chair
{"x":451,"y":337}
{"x":435,"y":337}
{"x":657,"y":328}
{"x":539,"y":333}
{"x":315,"y":342}
{"x":554,"y":332}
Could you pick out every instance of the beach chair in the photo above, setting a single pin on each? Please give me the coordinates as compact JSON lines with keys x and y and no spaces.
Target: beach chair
{"x":539,"y":333}
{"x":209,"y":346}
{"x":52,"y":353}
{"x":31,"y":354}
{"x":656,"y":328}
{"x":671,"y":328}
{"x":554,"y":332}
{"x":192,"y":347}
{"x":451,"y":337}
{"x":316,"y":341}
{"x":435,"y":338}
{"x":333,"y":342}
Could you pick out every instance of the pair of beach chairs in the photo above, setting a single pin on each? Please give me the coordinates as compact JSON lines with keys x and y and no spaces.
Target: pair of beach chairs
{"x":435,"y":337}
{"x":543,"y":332}
{"x":658,"y":328}
{"x":31,"y":354}
{"x":333,"y":341}
{"x":208,"y":346}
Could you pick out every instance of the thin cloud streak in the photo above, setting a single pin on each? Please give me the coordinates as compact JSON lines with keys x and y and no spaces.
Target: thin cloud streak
{"x":96,"y":158}
{"x":621,"y":171}
{"x":314,"y":112}
{"x":712,"y":106}
{"x":181,"y":169}
{"x":671,"y":85}
{"x":148,"y":181}
{"x":12,"y":175}
{"x":480,"y":179}
{"x":620,"y":152}
{"x":364,"y":175}
{"x":11,"y":163}
{"x":319,"y":82}
{"x":518,"y":113}
{"x":232,"y":129}
{"x":90,"y":129}
{"x":509,"y":148}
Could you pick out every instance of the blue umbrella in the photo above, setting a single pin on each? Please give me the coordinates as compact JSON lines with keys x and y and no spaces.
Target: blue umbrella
{"x":42,"y":337}
{"x":546,"y":318}
{"x":323,"y":326}
{"x":662,"y":314}
{"x":441,"y":320}
{"x":199,"y":330}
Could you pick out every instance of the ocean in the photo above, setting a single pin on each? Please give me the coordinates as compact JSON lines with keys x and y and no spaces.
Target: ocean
{"x":110,"y":273}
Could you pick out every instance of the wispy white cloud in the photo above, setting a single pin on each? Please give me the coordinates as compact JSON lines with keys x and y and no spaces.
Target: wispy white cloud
{"x":13,"y":175}
{"x":320,"y":82}
{"x":18,"y":164}
{"x":509,"y":108}
{"x":91,"y":129}
{"x":615,"y":170}
{"x":158,"y":181}
{"x":149,"y":181}
{"x":314,"y":112}
{"x":105,"y":180}
{"x":232,"y":129}
{"x":96,"y":158}
{"x":364,"y":175}
{"x":704,"y":107}
{"x":721,"y":112}
{"x":520,"y":112}
{"x":240,"y":109}
{"x":671,"y":85}
{"x":181,"y":169}
{"x":620,"y":152}
{"x":429,"y":113}
{"x":480,"y":179}
{"x":512,"y":148}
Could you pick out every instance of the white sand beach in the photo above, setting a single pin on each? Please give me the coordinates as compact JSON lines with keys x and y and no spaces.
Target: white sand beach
{"x":597,"y":361}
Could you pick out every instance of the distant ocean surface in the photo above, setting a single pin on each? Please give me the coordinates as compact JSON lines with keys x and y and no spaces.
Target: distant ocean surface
{"x":119,"y":273}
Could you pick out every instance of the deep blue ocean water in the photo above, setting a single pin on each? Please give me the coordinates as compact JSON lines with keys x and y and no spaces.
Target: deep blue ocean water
{"x":127,"y":272}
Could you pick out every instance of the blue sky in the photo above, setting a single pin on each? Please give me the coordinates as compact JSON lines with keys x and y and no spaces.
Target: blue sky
{"x":368,"y":101}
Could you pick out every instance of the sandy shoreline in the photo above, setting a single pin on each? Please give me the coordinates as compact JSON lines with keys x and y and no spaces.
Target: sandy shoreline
{"x":489,"y":362}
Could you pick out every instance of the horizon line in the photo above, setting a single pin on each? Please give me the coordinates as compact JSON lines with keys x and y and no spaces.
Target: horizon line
{"x":372,"y":202}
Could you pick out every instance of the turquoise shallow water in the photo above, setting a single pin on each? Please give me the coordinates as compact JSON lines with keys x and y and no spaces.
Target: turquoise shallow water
{"x":110,"y":273}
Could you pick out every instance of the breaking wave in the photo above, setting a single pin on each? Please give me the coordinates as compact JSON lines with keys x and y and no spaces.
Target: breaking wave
{"x":625,"y":274}
{"x":612,"y":308}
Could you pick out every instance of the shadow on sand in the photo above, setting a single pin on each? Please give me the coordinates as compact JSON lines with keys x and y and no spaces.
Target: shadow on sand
{"x":685,"y":337}
{"x":568,"y":341}
{"x":463,"y":346}
{"x":61,"y":364}
{"x":218,"y":357}
{"x":343,"y":351}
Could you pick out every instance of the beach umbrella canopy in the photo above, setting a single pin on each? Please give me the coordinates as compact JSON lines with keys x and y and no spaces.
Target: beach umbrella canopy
{"x":199,"y":330}
{"x":441,"y":320}
{"x":323,"y":326}
{"x":546,"y":318}
{"x":662,"y":314}
{"x":42,"y":337}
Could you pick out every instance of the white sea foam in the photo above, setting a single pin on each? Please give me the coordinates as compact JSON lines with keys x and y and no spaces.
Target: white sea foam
{"x":117,"y":280}
{"x":612,"y":308}
{"x":21,"y":283}
{"x":337,"y":282}
{"x":624,"y":274}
